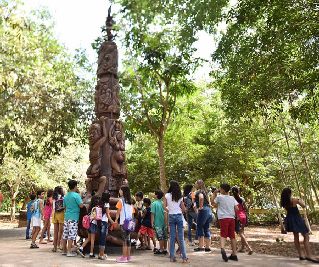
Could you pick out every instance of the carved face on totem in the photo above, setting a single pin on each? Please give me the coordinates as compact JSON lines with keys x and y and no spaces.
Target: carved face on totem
{"x":94,"y":133}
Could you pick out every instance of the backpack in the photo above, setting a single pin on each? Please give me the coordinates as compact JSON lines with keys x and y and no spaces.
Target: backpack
{"x":86,"y":221}
{"x":189,"y":203}
{"x":35,"y":206}
{"x":58,"y":205}
{"x":96,"y":214}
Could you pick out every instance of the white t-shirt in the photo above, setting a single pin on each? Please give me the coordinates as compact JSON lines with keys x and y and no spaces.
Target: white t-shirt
{"x":226,"y":206}
{"x":173,"y":206}
{"x":104,"y":216}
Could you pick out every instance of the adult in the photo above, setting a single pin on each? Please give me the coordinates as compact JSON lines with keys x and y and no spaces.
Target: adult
{"x":173,"y":203}
{"x":241,"y":220}
{"x":191,"y":215}
{"x":204,"y":216}
{"x":295,"y":223}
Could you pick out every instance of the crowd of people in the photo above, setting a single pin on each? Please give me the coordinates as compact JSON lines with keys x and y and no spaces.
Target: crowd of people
{"x":163,"y":219}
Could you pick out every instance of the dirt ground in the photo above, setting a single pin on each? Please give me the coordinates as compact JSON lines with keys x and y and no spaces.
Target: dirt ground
{"x":263,"y":239}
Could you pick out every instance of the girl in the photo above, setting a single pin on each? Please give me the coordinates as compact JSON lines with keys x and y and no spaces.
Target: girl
{"x":58,"y":216}
{"x":241,"y":220}
{"x":191,"y":215}
{"x":103,"y":229}
{"x":124,"y":211}
{"x":93,"y":228}
{"x":47,"y":212}
{"x":173,"y":203}
{"x":204,"y":217}
{"x":294,"y":223}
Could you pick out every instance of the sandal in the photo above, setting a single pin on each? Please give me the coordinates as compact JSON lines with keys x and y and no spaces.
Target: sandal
{"x":54,"y":250}
{"x":34,"y":246}
{"x":250,"y":252}
{"x":186,"y":260}
{"x":242,"y":250}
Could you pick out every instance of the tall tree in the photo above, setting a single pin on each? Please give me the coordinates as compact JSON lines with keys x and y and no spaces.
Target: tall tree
{"x":156,"y":74}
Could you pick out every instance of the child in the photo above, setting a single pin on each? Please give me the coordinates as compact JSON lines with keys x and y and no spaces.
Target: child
{"x":47,"y":212}
{"x":226,"y":211}
{"x":124,"y":211}
{"x":93,"y":228}
{"x":146,"y":229}
{"x":58,"y":216}
{"x":72,"y":203}
{"x":158,"y":222}
{"x":29,"y":215}
{"x":139,"y":208}
{"x":103,"y":228}
{"x":294,"y":223}
{"x":241,"y":220}
{"x":36,"y":209}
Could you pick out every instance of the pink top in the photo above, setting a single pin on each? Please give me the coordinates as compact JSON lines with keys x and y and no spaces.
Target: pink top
{"x":47,"y":211}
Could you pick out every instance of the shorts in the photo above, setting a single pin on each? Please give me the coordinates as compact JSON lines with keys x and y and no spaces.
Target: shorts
{"x":35,"y":222}
{"x":70,"y":230}
{"x":161,"y":233}
{"x":146,"y":231}
{"x":93,"y":228}
{"x":126,"y":236}
{"x":58,"y":217}
{"x":227,"y":228}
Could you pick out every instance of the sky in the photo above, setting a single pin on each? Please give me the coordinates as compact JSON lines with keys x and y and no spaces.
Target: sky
{"x":78,"y":24}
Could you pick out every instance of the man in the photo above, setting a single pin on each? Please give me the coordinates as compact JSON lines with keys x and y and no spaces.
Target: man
{"x":72,"y":203}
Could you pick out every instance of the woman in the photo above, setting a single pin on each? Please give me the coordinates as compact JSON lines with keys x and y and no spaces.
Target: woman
{"x":191,"y":215}
{"x":173,"y":203}
{"x":241,"y":220}
{"x":204,"y":216}
{"x":294,"y":223}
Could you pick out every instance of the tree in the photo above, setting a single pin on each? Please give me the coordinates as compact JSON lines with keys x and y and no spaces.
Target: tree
{"x":44,"y":97}
{"x":156,"y":74}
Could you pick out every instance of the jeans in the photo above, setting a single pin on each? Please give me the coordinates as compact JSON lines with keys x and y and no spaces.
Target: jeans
{"x":176,"y":220}
{"x":191,"y":217}
{"x":103,"y":230}
{"x":204,"y":218}
{"x":27,"y":231}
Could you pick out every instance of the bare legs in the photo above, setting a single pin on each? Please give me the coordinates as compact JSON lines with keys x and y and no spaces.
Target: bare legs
{"x":244,"y":242}
{"x":46,"y":228}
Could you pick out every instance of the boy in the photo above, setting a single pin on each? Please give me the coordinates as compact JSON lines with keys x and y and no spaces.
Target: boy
{"x":146,"y":230}
{"x":72,"y":203}
{"x":139,"y":209}
{"x":226,"y":211}
{"x":158,"y":222}
{"x":37,"y":212}
{"x":29,"y":215}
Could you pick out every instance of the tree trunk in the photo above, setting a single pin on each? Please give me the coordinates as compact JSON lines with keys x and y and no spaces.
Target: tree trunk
{"x":160,"y":150}
{"x":13,"y":209}
{"x":282,"y":228}
{"x":306,"y":163}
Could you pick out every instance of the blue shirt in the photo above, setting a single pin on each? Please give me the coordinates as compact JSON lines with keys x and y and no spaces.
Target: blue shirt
{"x":29,"y":212}
{"x":72,"y":200}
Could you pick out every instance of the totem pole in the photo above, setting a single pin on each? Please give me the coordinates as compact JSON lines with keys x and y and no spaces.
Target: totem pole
{"x":107,"y":169}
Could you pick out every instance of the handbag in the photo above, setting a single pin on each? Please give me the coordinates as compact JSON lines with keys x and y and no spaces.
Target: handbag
{"x":129,"y":223}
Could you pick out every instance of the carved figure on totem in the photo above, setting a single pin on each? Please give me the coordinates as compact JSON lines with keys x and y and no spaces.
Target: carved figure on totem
{"x":97,"y":137}
{"x":106,"y":99}
{"x":108,"y":59}
{"x":116,"y":139}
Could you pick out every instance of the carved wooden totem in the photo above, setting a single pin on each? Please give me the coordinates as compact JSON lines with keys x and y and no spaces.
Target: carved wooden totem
{"x":107,"y":141}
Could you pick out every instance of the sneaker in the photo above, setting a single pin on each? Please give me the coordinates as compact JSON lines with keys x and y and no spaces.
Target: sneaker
{"x":224,"y":256}
{"x":158,"y":252}
{"x":102,"y":257}
{"x":92,"y":256}
{"x":63,"y":253}
{"x":208,"y":250}
{"x":122,"y":260}
{"x":233,"y":257}
{"x":80,"y":252}
{"x":199,"y":249}
{"x":164,"y":252}
{"x":71,"y":254}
